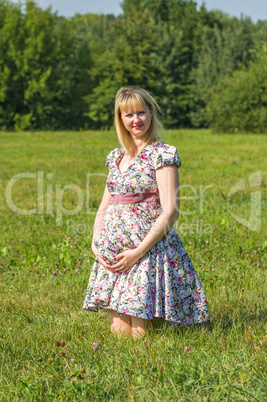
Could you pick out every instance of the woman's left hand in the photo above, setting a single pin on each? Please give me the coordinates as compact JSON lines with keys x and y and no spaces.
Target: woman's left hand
{"x":126,"y":260}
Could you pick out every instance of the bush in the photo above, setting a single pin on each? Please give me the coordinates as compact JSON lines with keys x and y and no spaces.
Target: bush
{"x":239,"y":102}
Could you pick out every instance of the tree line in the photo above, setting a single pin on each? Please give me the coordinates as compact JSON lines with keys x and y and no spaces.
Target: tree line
{"x":205,"y":69}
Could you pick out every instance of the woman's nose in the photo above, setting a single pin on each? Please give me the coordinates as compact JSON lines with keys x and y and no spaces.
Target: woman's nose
{"x":136,"y":117}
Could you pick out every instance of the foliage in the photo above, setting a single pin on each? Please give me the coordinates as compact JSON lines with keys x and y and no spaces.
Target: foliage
{"x":63,"y":73}
{"x":239,"y":102}
{"x":42,"y":69}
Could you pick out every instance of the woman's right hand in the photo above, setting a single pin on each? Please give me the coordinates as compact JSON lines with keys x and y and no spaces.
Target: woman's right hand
{"x":101,"y":259}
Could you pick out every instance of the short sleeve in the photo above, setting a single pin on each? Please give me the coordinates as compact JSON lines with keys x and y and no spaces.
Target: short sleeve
{"x":111,"y":158}
{"x":167,"y":155}
{"x":108,"y":159}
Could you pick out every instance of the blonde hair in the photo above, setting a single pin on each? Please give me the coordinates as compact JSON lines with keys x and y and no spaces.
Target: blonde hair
{"x":126,"y":99}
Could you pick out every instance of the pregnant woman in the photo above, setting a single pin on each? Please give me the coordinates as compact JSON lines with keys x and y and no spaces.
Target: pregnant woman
{"x":142,"y":271}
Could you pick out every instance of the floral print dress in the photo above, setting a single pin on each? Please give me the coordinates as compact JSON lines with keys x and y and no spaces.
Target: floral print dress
{"x":163,"y":283}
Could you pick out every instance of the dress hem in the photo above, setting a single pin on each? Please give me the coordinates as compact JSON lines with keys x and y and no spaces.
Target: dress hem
{"x":169,"y":321}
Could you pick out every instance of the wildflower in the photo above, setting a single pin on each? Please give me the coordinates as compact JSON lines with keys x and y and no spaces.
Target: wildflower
{"x":95,"y":345}
{"x":43,"y":258}
{"x":21,"y":239}
{"x":4,"y":228}
{"x":72,"y":360}
{"x":54,"y":273}
{"x":43,"y":275}
{"x":186,"y":349}
{"x":77,"y":270}
{"x":207,"y":241}
{"x":67,"y":378}
{"x":213,"y":269}
{"x":10,"y":266}
{"x":51,"y":276}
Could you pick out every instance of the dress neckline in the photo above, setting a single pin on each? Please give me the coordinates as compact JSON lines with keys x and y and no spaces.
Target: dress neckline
{"x":122,"y":152}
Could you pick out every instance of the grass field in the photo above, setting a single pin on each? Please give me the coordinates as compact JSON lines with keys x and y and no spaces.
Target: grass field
{"x":46,"y":339}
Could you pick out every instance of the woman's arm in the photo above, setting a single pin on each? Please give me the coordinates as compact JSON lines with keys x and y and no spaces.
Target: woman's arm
{"x":168,"y":183}
{"x":169,"y":193}
{"x":98,"y":224}
{"x":101,"y":212}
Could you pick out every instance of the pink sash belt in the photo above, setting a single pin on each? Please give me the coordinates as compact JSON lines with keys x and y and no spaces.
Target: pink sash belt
{"x":133,"y":198}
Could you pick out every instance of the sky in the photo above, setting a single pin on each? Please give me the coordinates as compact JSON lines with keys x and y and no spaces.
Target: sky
{"x":256,"y":9}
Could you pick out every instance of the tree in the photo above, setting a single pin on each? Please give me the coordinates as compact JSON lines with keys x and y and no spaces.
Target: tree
{"x":129,"y":60}
{"x":239,"y":102}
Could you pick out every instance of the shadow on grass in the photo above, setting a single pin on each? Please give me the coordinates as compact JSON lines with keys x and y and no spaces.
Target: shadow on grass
{"x":224,"y":323}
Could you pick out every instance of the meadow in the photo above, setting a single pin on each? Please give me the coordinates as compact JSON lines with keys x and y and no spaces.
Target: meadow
{"x":51,"y":184}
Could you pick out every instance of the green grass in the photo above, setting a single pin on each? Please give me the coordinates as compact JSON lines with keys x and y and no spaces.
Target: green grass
{"x":45,"y":264}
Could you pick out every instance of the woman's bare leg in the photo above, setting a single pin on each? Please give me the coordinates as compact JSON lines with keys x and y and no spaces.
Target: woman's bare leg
{"x":139,"y":326}
{"x":119,"y":324}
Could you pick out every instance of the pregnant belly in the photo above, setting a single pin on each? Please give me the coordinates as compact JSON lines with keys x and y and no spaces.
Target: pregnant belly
{"x":122,"y":229}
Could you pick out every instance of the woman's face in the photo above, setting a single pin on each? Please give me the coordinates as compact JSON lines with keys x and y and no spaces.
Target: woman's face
{"x":137,"y":120}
